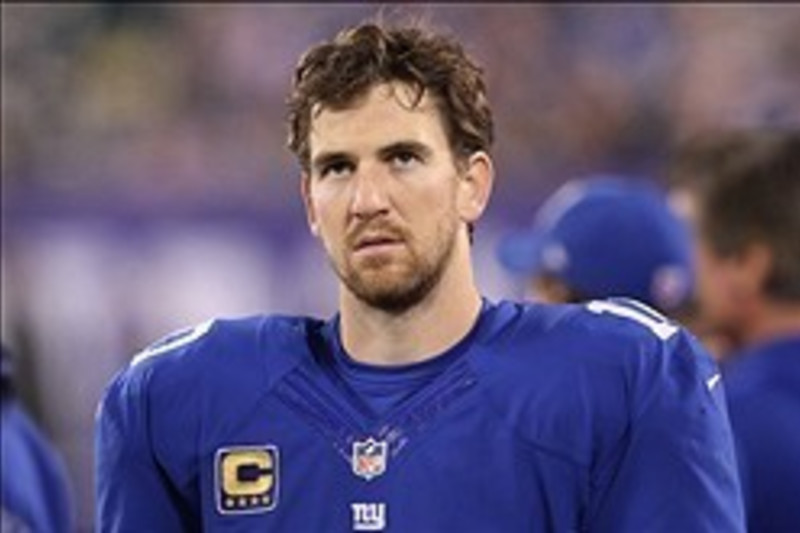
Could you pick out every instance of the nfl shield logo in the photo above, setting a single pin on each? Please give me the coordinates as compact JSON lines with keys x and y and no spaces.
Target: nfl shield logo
{"x":369,"y":458}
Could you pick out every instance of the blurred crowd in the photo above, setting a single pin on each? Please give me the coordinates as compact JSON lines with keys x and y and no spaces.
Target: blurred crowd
{"x":146,"y":185}
{"x":188,"y":100}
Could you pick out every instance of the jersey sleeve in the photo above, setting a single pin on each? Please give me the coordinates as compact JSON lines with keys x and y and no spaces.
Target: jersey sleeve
{"x":134,"y":491}
{"x":675,"y":468}
{"x":159,"y":416}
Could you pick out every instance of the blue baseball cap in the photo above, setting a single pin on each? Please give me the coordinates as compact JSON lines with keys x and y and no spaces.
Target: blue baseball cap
{"x":606,"y":236}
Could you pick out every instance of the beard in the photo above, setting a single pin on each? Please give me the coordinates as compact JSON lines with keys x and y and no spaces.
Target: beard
{"x":396,"y":285}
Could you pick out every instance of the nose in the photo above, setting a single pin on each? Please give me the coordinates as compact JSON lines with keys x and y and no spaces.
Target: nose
{"x":370,"y":195}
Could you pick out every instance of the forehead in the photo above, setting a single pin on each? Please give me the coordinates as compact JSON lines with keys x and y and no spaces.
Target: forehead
{"x":385,"y":114}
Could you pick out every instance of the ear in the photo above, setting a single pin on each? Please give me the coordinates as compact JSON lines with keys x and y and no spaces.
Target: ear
{"x":305,"y":191}
{"x":475,"y":186}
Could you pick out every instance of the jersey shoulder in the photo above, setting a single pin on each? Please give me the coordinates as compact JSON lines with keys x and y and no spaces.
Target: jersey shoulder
{"x":192,"y":386}
{"x":612,"y":331}
{"x":576,"y":376}
{"x":211,"y":368}
{"x":265,"y":345}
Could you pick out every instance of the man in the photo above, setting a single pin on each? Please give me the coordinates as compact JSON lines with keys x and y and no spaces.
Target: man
{"x":694,"y":163}
{"x":34,"y":486}
{"x":604,"y":236}
{"x":744,"y":193}
{"x":420,"y":406}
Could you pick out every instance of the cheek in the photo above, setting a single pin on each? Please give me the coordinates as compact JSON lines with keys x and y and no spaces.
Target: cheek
{"x":424,"y":209}
{"x":705,"y":269}
{"x":325,"y":207}
{"x":713,"y":281}
{"x":443,"y":203}
{"x":329,"y":235}
{"x":442,"y":218}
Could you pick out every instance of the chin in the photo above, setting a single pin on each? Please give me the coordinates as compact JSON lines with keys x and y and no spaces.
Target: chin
{"x":395,"y":302}
{"x":394,"y":292}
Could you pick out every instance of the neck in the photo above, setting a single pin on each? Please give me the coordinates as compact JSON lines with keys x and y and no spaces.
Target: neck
{"x":773,"y":320}
{"x":423,"y":331}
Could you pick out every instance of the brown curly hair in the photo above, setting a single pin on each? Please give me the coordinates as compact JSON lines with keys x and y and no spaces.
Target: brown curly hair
{"x":334,"y":74}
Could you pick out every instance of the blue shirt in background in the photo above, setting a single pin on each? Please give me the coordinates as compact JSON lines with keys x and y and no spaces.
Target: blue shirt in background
{"x":763,"y":385}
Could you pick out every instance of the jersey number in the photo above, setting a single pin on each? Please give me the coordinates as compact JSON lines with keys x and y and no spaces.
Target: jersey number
{"x":173,"y":341}
{"x":655,"y":322}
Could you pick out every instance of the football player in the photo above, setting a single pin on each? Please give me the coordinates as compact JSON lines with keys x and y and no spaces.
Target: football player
{"x":420,"y":405}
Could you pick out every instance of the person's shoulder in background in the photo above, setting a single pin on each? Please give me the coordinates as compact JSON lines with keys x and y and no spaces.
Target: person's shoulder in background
{"x":35,"y":491}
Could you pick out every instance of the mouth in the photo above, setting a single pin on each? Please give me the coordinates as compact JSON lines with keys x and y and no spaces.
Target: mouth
{"x":376,"y":243}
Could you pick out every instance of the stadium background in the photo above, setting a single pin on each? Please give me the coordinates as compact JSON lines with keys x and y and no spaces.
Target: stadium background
{"x":146,"y":187}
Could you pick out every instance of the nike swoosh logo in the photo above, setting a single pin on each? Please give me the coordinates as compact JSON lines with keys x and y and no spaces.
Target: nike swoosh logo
{"x":712,"y":381}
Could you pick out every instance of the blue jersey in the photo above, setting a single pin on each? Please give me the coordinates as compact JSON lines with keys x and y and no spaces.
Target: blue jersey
{"x":602,"y":417}
{"x":34,"y":487}
{"x":764,"y":401}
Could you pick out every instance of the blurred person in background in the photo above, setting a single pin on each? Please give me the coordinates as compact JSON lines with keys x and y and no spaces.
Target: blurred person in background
{"x":741,"y":188}
{"x":421,"y":405}
{"x":603,"y":236}
{"x":691,"y":167}
{"x":609,"y":235}
{"x":35,"y":492}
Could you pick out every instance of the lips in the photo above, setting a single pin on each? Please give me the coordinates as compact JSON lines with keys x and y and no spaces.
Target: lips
{"x":375,"y":238}
{"x":372,"y":241}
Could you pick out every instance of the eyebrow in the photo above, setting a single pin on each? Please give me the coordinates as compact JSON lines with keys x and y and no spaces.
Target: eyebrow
{"x":415,"y":147}
{"x":324,"y":159}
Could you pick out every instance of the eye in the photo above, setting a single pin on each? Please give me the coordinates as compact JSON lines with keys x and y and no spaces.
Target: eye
{"x":336,"y":169}
{"x":404,"y":159}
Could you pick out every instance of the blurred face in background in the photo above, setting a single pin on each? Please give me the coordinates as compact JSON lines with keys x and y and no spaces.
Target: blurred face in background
{"x":710,"y":306}
{"x":730,"y":287}
{"x":714,"y":285}
{"x":384,"y":196}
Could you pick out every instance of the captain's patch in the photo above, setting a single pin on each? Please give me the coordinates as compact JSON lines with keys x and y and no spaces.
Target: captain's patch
{"x":246,"y":479}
